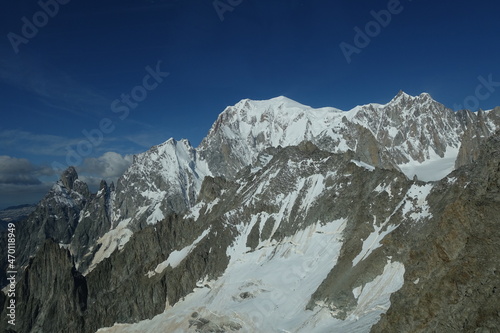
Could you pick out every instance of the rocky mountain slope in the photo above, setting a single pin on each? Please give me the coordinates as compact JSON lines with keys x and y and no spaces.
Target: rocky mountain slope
{"x":478,"y":127}
{"x":452,"y":282}
{"x":416,"y":135}
{"x":285,"y":218}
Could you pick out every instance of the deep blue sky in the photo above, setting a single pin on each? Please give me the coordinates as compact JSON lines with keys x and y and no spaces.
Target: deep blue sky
{"x":65,"y":78}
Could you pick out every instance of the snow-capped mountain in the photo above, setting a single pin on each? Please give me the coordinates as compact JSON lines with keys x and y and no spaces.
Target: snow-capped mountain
{"x":416,"y":135}
{"x":414,"y":129}
{"x":169,"y":170}
{"x":286,"y":218}
{"x":244,"y":130}
{"x":407,"y":130}
{"x":166,"y":179}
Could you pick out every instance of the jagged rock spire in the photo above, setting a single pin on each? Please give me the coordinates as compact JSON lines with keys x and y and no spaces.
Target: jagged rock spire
{"x":103,"y":185}
{"x":68,"y":177}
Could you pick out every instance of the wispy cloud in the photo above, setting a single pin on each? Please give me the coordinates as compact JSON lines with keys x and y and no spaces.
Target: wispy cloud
{"x":37,"y":144}
{"x":51,"y":86}
{"x":149,"y":139}
{"x":56,"y":145}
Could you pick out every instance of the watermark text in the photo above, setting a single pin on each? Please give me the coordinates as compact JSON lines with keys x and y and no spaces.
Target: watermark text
{"x":11,"y":274}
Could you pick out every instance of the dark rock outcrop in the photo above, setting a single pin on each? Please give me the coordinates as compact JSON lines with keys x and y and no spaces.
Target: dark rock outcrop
{"x":479,"y":126}
{"x":95,"y":221}
{"x":452,"y":278}
{"x":55,"y":217}
{"x":51,"y":295}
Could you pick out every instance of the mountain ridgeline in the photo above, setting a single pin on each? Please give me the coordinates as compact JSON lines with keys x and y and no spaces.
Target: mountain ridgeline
{"x":285,"y":218}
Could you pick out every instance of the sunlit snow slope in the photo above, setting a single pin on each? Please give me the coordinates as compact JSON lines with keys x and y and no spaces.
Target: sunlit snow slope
{"x":294,"y":229}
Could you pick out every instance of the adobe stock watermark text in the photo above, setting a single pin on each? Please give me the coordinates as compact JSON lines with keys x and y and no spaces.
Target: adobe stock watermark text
{"x":11,"y":274}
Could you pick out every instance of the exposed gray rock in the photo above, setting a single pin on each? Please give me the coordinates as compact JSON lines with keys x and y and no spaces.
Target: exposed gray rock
{"x":452,"y":277}
{"x":94,"y":222}
{"x":212,"y":188}
{"x":442,"y":250}
{"x":480,"y":126}
{"x":55,"y":217}
{"x":68,"y":177}
{"x":51,"y":296}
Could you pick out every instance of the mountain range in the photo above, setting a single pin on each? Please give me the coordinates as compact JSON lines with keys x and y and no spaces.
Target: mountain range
{"x":285,"y":218}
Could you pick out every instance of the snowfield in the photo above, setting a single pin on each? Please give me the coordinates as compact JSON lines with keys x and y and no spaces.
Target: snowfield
{"x":267,"y":290}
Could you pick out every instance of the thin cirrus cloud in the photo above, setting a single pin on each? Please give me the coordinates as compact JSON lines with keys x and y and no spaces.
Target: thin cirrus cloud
{"x":57,"y":146}
{"x":53,"y":87}
{"x":47,"y":144}
{"x":37,"y":144}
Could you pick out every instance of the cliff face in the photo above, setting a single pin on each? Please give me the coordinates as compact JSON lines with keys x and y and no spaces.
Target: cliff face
{"x":478,"y":127}
{"x":56,"y":216}
{"x":452,"y":278}
{"x":51,"y":295}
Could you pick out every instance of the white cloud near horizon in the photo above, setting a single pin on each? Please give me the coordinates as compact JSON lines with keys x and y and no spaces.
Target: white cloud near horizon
{"x":21,"y":181}
{"x":20,"y":171}
{"x":109,"y":165}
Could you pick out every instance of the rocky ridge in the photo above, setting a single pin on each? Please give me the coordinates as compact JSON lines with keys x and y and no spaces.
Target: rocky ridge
{"x":56,"y":216}
{"x":271,"y":195}
{"x":403,"y":134}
